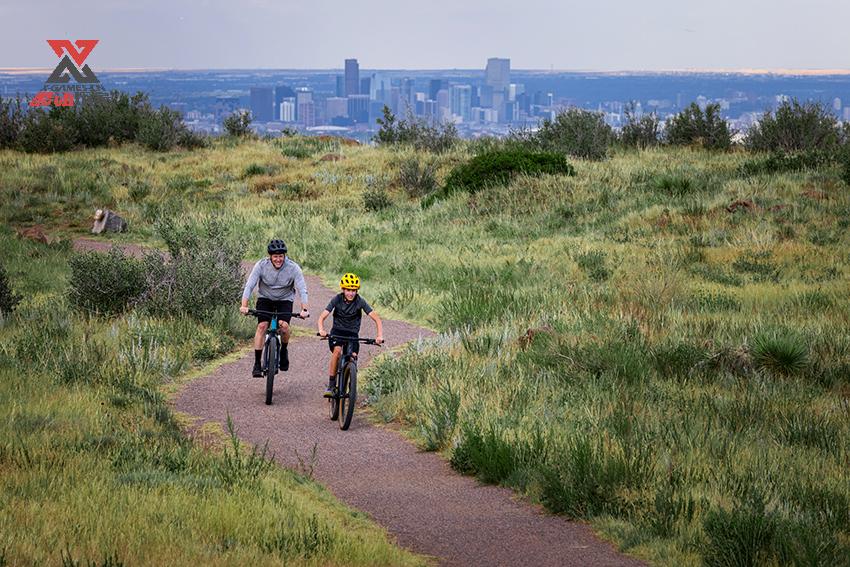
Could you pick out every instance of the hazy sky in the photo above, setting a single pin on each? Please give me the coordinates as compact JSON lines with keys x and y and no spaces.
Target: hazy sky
{"x":601,"y":35}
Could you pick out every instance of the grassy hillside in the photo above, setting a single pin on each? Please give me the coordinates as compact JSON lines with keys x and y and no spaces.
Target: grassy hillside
{"x":657,"y":344}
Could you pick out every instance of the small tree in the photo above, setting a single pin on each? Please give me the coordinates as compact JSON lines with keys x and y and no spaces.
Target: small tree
{"x":435,"y":137}
{"x":693,"y":127}
{"x":161,"y":130}
{"x":643,"y":132}
{"x":795,"y":127}
{"x":576,"y":132}
{"x":238,"y":124}
{"x":48,"y":131}
{"x":11,"y":121}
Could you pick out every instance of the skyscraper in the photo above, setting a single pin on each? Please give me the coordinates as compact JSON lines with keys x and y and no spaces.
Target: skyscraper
{"x":358,"y":108}
{"x":352,"y":77}
{"x":262,"y":104}
{"x":460,"y":97}
{"x":281,"y":93}
{"x":340,"y":86}
{"x":498,"y":73}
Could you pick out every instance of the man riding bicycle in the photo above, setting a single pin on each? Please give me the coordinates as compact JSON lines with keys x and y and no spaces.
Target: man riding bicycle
{"x":278,"y":278}
{"x":347,"y":308}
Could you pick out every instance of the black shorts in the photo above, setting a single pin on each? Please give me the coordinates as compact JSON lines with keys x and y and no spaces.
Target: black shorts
{"x":265,"y":304}
{"x":355,"y":346}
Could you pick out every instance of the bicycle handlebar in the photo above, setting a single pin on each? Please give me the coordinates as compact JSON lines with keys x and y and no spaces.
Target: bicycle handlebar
{"x":276,"y":314}
{"x":358,"y":339}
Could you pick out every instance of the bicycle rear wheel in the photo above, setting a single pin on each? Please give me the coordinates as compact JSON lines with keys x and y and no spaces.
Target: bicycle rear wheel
{"x":271,"y":368}
{"x":347,"y":395}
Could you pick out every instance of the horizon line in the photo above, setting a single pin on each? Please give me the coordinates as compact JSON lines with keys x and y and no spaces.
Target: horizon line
{"x":707,"y":70}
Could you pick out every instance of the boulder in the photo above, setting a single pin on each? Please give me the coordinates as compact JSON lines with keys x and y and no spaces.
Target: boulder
{"x":108,"y":221}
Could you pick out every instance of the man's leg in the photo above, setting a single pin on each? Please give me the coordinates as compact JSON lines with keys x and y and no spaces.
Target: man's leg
{"x":284,"y":350}
{"x":259,"y":336}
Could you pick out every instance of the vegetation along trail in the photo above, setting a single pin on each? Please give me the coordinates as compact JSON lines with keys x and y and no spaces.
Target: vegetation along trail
{"x":429,"y":508}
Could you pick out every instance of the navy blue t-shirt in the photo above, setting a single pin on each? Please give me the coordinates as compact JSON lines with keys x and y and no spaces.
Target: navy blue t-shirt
{"x":347,"y":315}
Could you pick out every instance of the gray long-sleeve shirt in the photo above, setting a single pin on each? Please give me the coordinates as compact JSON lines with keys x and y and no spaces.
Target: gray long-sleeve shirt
{"x":277,"y":285}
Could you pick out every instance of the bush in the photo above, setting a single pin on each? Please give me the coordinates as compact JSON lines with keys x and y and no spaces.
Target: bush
{"x":238,"y":124}
{"x":48,"y":131}
{"x":105,"y":283}
{"x":780,"y":353}
{"x":417,"y":178}
{"x":161,"y":130}
{"x":8,"y":298}
{"x":376,"y":199}
{"x":785,"y":162}
{"x":643,"y":132}
{"x":693,"y":127}
{"x":574,"y":131}
{"x":112,"y":118}
{"x":11,"y":121}
{"x":795,"y":127}
{"x":416,"y":132}
{"x":498,"y":167}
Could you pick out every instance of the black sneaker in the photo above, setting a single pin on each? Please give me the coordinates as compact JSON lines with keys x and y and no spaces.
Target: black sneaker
{"x":329,"y":391}
{"x":284,"y":358}
{"x":257,"y":372}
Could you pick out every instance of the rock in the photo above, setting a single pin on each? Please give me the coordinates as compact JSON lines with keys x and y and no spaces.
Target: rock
{"x":108,"y":221}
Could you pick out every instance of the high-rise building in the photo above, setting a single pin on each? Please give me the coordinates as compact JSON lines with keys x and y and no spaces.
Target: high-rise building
{"x":340,"y":86}
{"x":460,"y":97}
{"x":287,"y":110}
{"x":498,"y":73}
{"x":304,"y":98}
{"x":434,"y":86}
{"x":262,"y":104}
{"x":352,"y":77}
{"x":358,"y":108}
{"x":336,"y":107}
{"x":281,"y":93}
{"x":366,"y":86}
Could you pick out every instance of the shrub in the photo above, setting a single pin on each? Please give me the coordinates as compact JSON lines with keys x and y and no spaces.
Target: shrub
{"x":784,"y":162}
{"x":795,"y":127}
{"x":640,"y":132}
{"x":574,"y":131}
{"x":499,"y":167}
{"x":161,"y":130}
{"x":238,"y":124}
{"x":48,"y":131}
{"x":11,"y":121}
{"x":111,"y":118}
{"x":8,"y":298}
{"x":417,"y":178}
{"x":693,"y":127}
{"x":593,"y":264}
{"x":105,"y":283}
{"x":780,"y":353}
{"x":435,"y":137}
{"x":376,"y":199}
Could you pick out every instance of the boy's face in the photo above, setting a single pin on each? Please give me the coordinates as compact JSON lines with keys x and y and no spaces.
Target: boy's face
{"x":350,"y":294}
{"x":277,"y":260}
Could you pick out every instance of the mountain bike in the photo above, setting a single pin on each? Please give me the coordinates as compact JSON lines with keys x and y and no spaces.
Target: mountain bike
{"x":271,"y":349}
{"x":341,"y":404}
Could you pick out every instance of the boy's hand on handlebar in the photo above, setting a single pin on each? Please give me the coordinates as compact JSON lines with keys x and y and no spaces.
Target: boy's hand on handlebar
{"x":379,"y":340}
{"x":243,"y":310}
{"x":305,"y":313}
{"x":323,"y":333}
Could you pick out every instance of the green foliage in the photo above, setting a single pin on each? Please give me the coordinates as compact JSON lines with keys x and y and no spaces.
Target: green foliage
{"x":163,"y":129}
{"x":499,"y":167}
{"x":376,"y":199}
{"x":795,"y":127}
{"x":781,"y":353}
{"x":695,"y":127}
{"x":11,"y":121}
{"x":48,"y":131}
{"x":439,"y":418}
{"x":8,"y":298}
{"x":593,"y":264}
{"x":238,"y":124}
{"x":415,"y":132}
{"x":417,"y":178}
{"x":640,"y":132}
{"x":574,"y":131}
{"x":112,"y":118}
{"x":786,"y":162}
{"x":105,"y":283}
{"x":238,"y":468}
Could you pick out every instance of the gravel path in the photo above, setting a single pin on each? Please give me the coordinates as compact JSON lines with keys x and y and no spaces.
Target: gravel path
{"x":415,"y":495}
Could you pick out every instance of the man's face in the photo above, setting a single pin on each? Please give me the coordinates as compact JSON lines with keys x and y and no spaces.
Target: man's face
{"x":277,"y":260}
{"x":349,"y":294}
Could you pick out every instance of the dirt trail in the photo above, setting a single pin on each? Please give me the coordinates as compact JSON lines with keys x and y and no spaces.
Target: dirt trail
{"x":415,"y":495}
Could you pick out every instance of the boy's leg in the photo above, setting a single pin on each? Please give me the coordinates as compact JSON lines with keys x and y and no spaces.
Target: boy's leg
{"x":332,"y":365}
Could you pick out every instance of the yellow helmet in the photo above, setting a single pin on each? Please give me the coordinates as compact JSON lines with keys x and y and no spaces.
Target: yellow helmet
{"x":349,"y":281}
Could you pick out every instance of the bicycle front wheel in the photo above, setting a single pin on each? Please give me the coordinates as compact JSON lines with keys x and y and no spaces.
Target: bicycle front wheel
{"x":347,"y":395}
{"x":271,"y":368}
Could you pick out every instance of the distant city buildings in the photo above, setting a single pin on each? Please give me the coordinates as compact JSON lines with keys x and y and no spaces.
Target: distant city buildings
{"x":262,"y":104}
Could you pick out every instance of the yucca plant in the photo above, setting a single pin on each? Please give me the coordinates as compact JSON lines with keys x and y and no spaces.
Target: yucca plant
{"x":780,"y":353}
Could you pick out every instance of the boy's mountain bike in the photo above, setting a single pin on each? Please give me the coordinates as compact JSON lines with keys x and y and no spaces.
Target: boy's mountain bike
{"x":271,"y":349}
{"x":345,"y":392}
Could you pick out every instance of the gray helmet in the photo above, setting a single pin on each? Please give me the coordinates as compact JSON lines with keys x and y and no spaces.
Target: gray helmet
{"x":277,"y":246}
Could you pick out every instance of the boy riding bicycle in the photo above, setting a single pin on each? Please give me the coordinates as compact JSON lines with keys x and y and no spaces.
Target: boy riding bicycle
{"x":278,"y":278}
{"x":347,"y":308}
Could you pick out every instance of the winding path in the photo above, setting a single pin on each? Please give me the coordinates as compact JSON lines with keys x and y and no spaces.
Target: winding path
{"x":415,"y":495}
